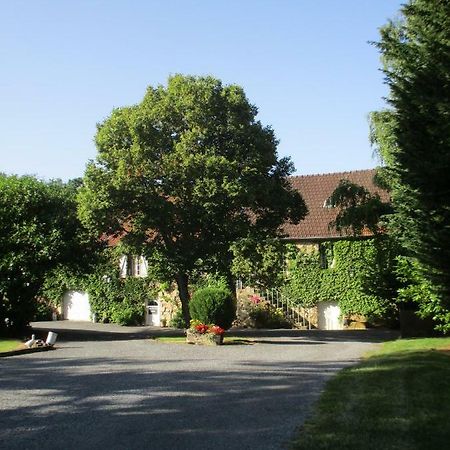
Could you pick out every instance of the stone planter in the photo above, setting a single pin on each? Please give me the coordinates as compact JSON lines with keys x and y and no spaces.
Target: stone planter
{"x":203,"y":339}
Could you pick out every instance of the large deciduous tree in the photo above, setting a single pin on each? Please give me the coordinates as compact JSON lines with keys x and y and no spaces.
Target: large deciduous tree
{"x":413,"y":139}
{"x":186,"y":173}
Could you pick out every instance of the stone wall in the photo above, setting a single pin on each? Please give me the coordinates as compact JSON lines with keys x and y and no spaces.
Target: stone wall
{"x":169,"y":304}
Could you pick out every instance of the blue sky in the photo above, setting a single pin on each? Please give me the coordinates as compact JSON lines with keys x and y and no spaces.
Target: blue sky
{"x":307,"y":65}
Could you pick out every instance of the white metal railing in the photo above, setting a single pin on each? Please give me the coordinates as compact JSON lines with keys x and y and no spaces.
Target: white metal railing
{"x":299,"y":315}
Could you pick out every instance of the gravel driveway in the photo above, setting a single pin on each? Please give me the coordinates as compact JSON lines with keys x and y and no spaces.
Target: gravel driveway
{"x":117,"y":390}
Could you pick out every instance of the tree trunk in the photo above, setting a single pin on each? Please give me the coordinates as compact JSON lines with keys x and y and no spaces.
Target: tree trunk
{"x":231,"y":283}
{"x":182,"y":283}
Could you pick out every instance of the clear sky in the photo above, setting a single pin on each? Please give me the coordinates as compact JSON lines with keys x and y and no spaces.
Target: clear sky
{"x":306,"y":64}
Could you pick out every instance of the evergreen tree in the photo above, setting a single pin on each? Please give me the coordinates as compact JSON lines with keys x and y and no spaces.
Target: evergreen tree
{"x":412,"y":137}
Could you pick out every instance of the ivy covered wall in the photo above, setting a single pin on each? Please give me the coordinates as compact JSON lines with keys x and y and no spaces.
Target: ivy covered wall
{"x":358,"y":274}
{"x":112,"y":298}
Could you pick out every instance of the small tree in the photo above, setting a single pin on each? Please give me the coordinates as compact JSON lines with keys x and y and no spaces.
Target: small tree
{"x":184,"y":174}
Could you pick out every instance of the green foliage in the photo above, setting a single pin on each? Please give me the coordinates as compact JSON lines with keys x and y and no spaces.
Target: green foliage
{"x":43,"y":311}
{"x":178,"y":320}
{"x":358,"y":208}
{"x":213,"y":305}
{"x":112,"y":299}
{"x":265,"y":315}
{"x":413,"y":139}
{"x":39,"y":230}
{"x":59,"y":280}
{"x":192,"y":164}
{"x":359,"y":276}
{"x":127,"y":313}
{"x":119,"y":300}
{"x":259,"y":261}
{"x":209,"y":280}
{"x":304,"y":280}
{"x":420,"y":291}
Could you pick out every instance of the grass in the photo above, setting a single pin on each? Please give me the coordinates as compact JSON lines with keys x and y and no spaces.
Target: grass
{"x":182,"y":340}
{"x":6,"y":345}
{"x":397,"y":398}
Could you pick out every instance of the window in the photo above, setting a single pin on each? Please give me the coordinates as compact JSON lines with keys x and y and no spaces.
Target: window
{"x":326,"y":255}
{"x":134,"y":266}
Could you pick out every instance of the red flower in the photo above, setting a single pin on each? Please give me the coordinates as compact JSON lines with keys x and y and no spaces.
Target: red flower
{"x":215,"y":329}
{"x":201,"y":328}
{"x":255,"y":299}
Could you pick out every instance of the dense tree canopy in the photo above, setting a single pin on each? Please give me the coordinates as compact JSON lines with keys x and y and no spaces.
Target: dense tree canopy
{"x":39,"y":229}
{"x":413,"y":139}
{"x":186,"y":173}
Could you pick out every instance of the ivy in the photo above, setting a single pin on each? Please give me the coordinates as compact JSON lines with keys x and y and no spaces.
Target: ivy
{"x":112,"y":298}
{"x":359,"y":275}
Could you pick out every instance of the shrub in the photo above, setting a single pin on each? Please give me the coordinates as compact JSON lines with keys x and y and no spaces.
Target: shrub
{"x":265,"y":315}
{"x":126,"y":313}
{"x":178,"y":320}
{"x":44,"y":311}
{"x":213,"y":305}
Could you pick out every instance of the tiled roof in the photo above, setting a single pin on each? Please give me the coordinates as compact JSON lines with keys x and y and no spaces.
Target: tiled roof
{"x":315,"y":190}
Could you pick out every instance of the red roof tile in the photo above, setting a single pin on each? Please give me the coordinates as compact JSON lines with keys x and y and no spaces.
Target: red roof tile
{"x":315,"y":190}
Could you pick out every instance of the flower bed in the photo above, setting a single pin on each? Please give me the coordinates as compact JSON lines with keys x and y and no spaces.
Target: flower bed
{"x":202,"y":334}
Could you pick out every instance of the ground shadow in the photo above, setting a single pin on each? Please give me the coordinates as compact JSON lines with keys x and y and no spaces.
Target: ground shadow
{"x":88,"y":332}
{"x":112,"y":403}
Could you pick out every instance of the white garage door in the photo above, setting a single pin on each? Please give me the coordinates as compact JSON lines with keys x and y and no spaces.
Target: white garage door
{"x":76,"y":306}
{"x":329,"y":313}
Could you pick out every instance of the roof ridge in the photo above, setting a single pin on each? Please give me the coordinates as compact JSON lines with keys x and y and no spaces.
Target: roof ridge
{"x":332,"y":173}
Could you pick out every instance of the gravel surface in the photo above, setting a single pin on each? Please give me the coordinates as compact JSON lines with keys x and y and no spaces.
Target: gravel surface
{"x":112,"y":389}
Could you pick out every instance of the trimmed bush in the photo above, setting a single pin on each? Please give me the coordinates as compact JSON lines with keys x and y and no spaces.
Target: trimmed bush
{"x":213,"y":305}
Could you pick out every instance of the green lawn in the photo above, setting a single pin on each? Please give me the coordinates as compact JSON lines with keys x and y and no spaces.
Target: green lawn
{"x":7,"y":345}
{"x":397,"y":398}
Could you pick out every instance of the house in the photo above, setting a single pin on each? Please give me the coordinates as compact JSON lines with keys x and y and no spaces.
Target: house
{"x":314,"y":234}
{"x":311,"y":233}
{"x":314,"y":231}
{"x":316,"y":190}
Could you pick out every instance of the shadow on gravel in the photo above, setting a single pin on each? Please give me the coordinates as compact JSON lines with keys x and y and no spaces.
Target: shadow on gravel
{"x":87,"y":334}
{"x":76,"y":403}
{"x":277,"y":337}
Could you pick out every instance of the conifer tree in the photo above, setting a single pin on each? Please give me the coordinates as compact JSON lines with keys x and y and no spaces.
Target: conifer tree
{"x":412,"y":137}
